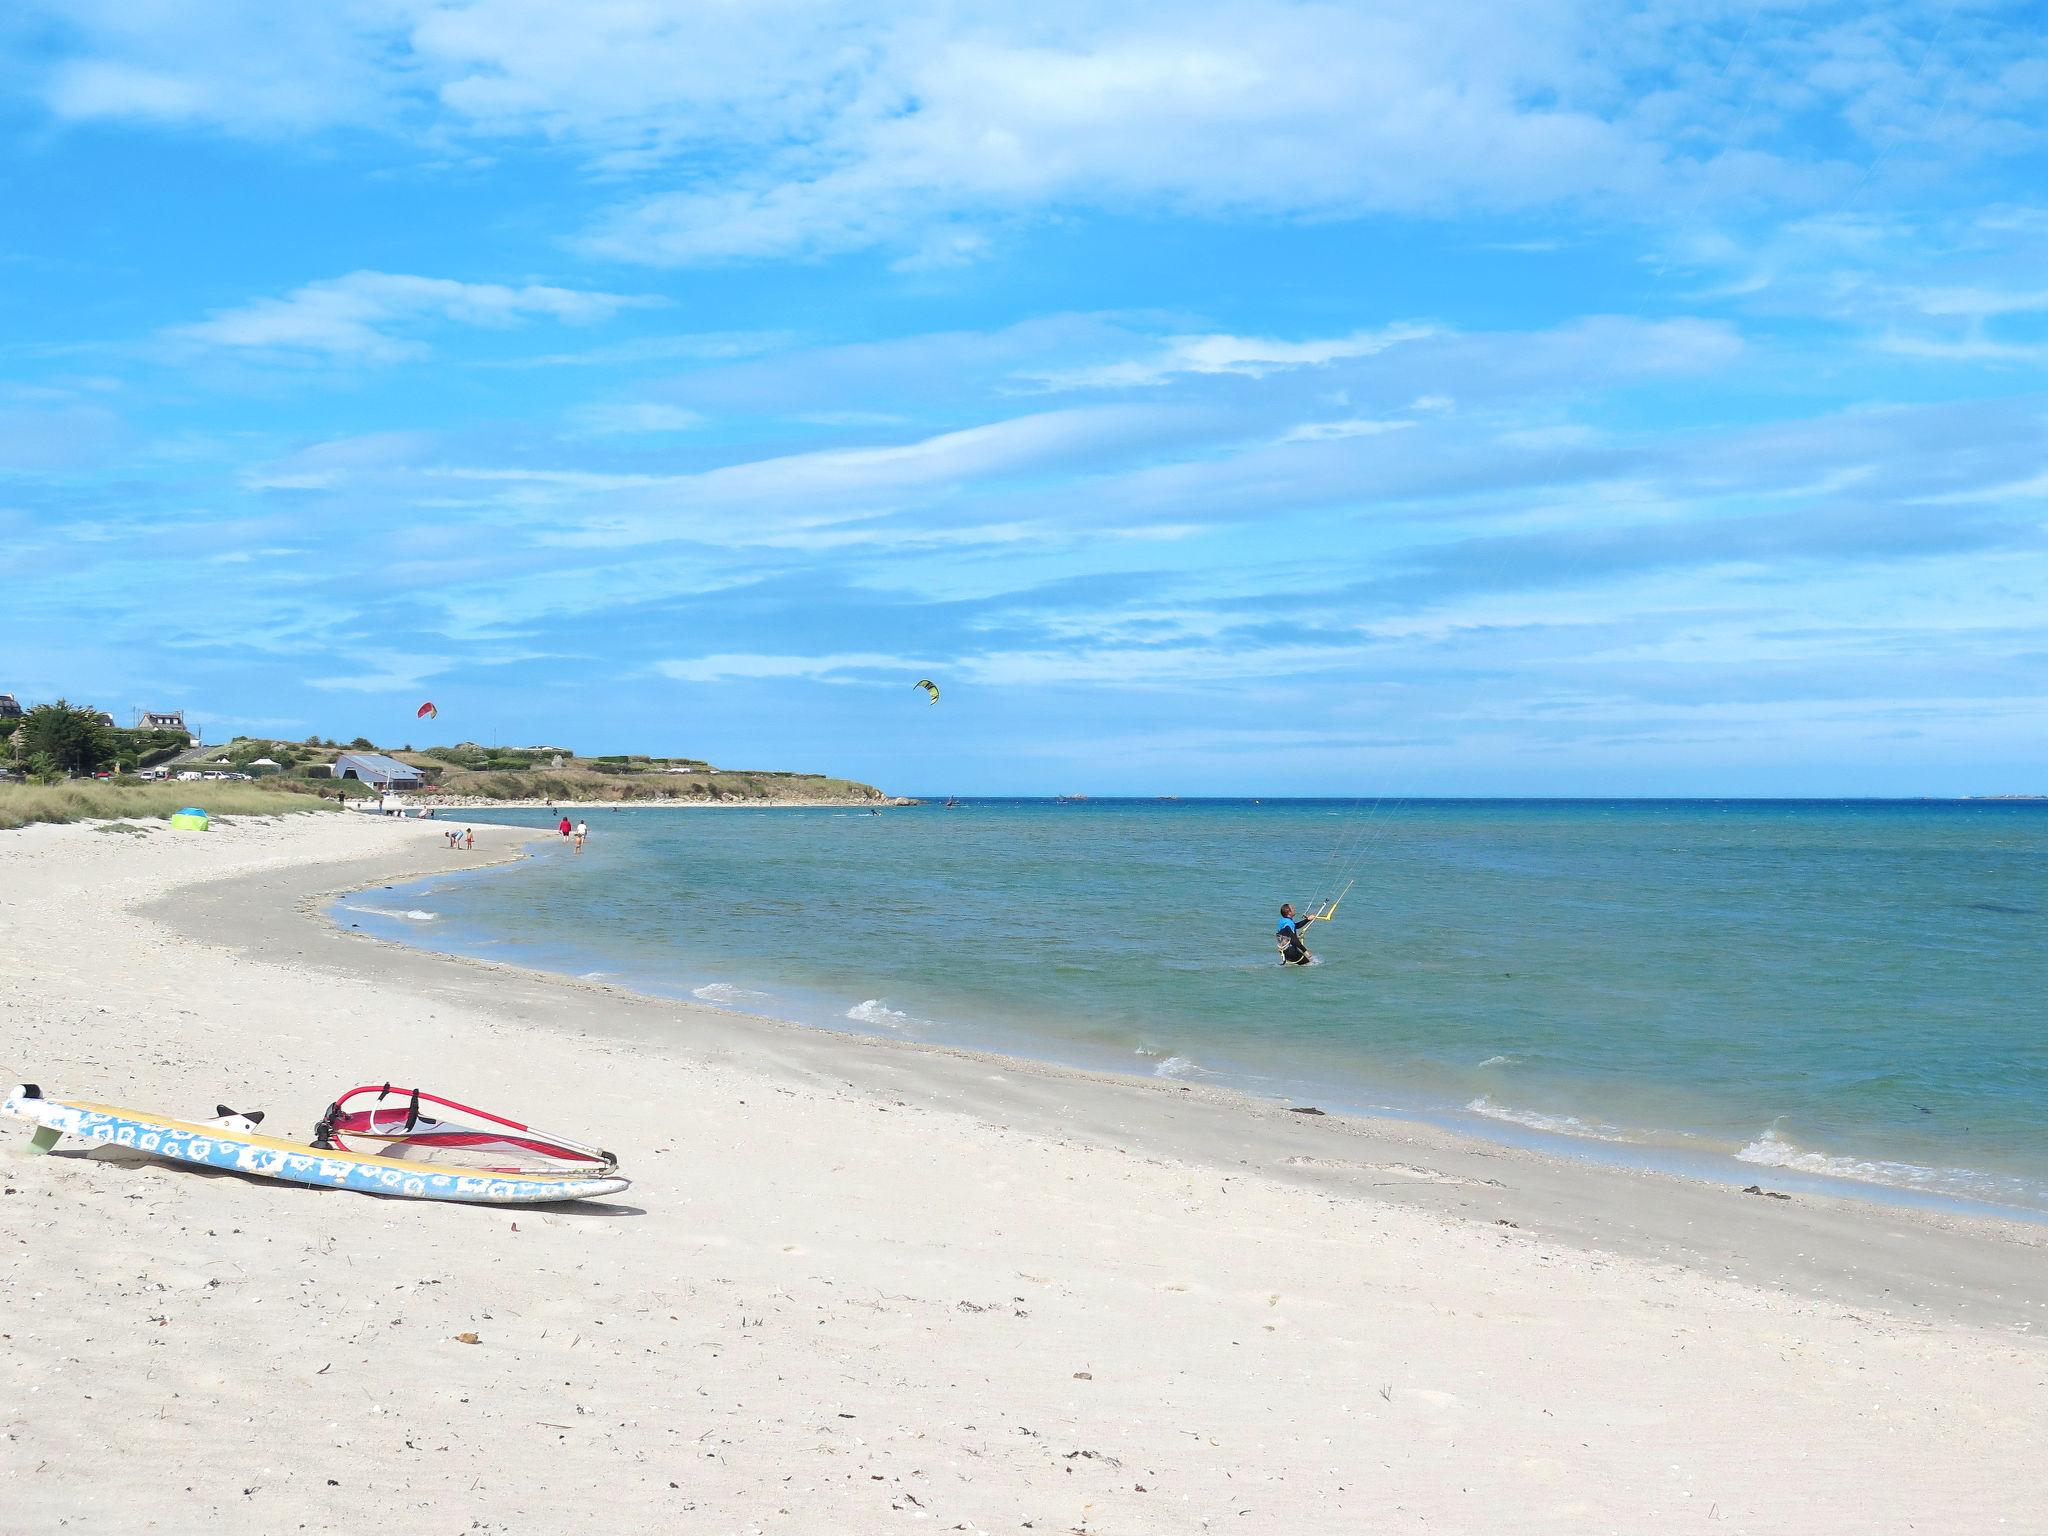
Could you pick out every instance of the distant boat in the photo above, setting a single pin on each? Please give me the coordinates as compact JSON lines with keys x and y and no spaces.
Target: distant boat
{"x":951,"y":803}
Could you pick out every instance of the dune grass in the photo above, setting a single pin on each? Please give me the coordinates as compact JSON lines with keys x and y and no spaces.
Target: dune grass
{"x":21,"y":804}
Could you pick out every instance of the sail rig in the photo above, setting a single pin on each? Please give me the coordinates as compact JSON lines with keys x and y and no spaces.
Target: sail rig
{"x":425,"y":1127}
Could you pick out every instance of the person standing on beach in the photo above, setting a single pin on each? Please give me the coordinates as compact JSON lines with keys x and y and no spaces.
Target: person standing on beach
{"x":1288,"y":936}
{"x":469,"y":837}
{"x":582,"y":831}
{"x":564,"y":829}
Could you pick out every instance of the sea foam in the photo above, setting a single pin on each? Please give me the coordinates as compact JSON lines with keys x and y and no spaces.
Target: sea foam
{"x":1536,"y":1120}
{"x":874,"y":1011}
{"x":725,"y":992}
{"x":413,"y":914}
{"x":1774,"y":1151}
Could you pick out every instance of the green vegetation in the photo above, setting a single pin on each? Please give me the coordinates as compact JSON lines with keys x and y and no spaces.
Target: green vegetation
{"x":57,"y":741}
{"x":585,"y":780}
{"x":54,"y":741}
{"x":74,"y":742}
{"x":145,"y":749}
{"x":108,"y":800}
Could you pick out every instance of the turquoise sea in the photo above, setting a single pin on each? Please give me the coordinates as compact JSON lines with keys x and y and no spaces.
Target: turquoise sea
{"x":1838,"y":994}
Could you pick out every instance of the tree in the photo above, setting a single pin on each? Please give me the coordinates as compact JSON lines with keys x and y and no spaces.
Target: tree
{"x":64,"y":740}
{"x":362,"y":744}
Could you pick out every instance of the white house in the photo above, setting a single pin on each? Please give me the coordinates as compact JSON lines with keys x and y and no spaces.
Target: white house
{"x":166,"y":720}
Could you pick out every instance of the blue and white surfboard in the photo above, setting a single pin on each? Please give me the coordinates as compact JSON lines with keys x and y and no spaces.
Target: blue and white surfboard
{"x":213,"y":1146}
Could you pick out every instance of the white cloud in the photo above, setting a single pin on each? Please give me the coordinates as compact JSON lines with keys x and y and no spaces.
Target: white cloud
{"x":1250,"y":356}
{"x":630,"y":417}
{"x":355,"y":317}
{"x":843,"y":667}
{"x":1328,"y":431}
{"x":397,"y":676}
{"x":795,"y":497}
{"x":806,"y":127}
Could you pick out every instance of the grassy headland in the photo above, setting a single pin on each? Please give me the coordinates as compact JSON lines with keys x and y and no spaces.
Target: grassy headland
{"x":469,"y":773}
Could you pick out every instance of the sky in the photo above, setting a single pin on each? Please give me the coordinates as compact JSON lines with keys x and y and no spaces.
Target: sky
{"x":1547,"y":397}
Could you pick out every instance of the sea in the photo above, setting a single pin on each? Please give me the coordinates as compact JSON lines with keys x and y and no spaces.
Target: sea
{"x":1848,"y":996}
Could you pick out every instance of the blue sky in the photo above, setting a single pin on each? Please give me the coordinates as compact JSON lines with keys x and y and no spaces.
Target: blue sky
{"x":1482,"y":396}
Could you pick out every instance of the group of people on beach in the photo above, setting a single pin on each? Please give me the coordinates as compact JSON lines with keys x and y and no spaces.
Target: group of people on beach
{"x":582,"y":830}
{"x":458,"y":840}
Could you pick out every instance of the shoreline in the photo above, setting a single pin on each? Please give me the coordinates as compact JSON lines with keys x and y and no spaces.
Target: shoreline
{"x":647,"y":1019}
{"x":463,"y":803}
{"x":858,"y":1282}
{"x":1667,"y":1155}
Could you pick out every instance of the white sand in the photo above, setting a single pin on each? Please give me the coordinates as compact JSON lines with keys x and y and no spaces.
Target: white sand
{"x":862,"y":1287}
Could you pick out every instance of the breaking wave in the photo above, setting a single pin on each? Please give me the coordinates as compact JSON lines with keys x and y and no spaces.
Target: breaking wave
{"x":1500,"y":1061}
{"x":412,"y":914}
{"x":874,"y":1011}
{"x":1536,"y":1120}
{"x":1180,"y":1066}
{"x":1771,"y":1150}
{"x":725,"y":992}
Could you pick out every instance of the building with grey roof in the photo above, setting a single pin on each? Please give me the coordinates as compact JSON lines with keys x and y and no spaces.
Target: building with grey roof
{"x":378,"y":771}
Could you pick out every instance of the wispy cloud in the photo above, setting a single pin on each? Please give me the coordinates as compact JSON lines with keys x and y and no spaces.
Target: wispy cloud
{"x":1250,"y":356}
{"x":396,"y":676}
{"x":615,"y":418}
{"x":359,"y":317}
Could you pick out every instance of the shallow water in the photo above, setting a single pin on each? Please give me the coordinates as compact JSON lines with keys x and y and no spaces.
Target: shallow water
{"x":1842,"y":988}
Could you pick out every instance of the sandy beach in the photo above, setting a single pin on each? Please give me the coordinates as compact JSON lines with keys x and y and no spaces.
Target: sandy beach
{"x":866,"y":1285}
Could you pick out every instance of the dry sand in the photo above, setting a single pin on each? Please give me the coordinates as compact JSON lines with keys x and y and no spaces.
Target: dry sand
{"x":863,"y":1287}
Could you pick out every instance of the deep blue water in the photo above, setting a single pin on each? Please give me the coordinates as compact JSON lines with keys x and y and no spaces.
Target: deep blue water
{"x":1844,"y":988}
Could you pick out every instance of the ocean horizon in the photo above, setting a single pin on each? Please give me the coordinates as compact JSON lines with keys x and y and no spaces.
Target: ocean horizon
{"x":1826,"y":994}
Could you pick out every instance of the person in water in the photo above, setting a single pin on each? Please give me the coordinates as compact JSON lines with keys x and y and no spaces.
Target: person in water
{"x":1288,"y":936}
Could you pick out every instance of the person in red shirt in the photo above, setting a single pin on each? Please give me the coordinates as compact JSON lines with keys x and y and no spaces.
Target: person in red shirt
{"x":564,"y":829}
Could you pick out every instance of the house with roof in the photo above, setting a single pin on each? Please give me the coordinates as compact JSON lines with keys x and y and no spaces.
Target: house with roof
{"x":10,"y":708}
{"x":166,"y":720}
{"x":378,"y":771}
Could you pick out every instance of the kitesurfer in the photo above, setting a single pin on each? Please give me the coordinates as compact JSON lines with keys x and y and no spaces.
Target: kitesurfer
{"x":1288,"y":936}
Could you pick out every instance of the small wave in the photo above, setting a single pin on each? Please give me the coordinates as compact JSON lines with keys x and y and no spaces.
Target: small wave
{"x":1773,"y":1151}
{"x":1536,"y":1120}
{"x":873,"y":1011}
{"x":1180,"y":1066}
{"x":1499,"y":1061}
{"x":725,"y":992}
{"x":414,"y":914}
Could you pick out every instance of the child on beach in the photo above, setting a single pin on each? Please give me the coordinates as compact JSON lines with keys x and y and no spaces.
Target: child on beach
{"x":469,"y":838}
{"x":582,"y":831}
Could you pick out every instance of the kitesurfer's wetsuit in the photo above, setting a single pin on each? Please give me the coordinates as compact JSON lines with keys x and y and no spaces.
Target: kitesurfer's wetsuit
{"x":1288,"y":937}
